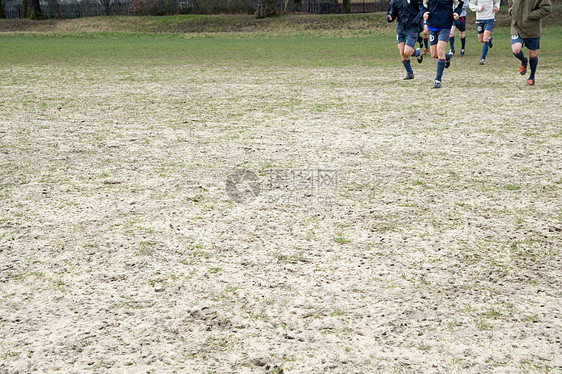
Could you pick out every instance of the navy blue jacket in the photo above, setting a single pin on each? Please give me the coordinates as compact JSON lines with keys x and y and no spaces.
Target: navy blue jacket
{"x":408,"y":13}
{"x":441,"y":13}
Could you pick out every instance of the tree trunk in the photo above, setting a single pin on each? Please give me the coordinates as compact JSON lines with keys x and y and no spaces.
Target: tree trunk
{"x":265,"y":8}
{"x":346,"y":6}
{"x":288,"y":5}
{"x":297,"y":5}
{"x":2,"y":14}
{"x":32,"y":9}
{"x":107,"y":5}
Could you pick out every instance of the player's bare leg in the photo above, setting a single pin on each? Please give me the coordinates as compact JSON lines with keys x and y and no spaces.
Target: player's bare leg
{"x":405,"y":55}
{"x":463,"y":39}
{"x":452,"y":39}
{"x":517,"y":52}
{"x":533,"y":62}
{"x":485,"y":39}
{"x":425,"y":38}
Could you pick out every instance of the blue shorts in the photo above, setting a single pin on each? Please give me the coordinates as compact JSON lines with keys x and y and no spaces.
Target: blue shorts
{"x":408,"y":37}
{"x":484,"y":25}
{"x":531,"y":43}
{"x":460,"y":24}
{"x":439,"y":36}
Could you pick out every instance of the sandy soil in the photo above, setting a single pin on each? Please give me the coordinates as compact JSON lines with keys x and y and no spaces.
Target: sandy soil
{"x":121,"y":251}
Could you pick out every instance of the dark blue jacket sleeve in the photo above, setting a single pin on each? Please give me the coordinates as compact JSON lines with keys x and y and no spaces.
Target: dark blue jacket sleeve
{"x":419,"y":16}
{"x":458,"y":9}
{"x":391,"y":11}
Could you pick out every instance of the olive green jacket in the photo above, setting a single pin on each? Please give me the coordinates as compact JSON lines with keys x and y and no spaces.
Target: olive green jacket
{"x":527,"y":15}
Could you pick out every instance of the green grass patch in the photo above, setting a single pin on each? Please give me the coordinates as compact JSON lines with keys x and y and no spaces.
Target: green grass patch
{"x":372,"y":48}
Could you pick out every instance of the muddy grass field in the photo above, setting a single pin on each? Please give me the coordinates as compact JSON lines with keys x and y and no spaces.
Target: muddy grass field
{"x":267,"y":204}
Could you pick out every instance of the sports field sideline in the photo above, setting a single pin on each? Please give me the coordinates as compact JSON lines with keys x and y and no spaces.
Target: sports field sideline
{"x":381,"y":227}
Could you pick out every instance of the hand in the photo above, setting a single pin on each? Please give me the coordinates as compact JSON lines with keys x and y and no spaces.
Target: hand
{"x":389,"y":17}
{"x":455,"y":16}
{"x":482,"y":8}
{"x":425,"y":16}
{"x":495,"y":9}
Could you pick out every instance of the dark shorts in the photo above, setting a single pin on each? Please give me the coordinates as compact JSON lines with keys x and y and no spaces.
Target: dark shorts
{"x":531,"y":43}
{"x":409,"y":37}
{"x":485,"y":25}
{"x":436,"y":36}
{"x":460,"y":24}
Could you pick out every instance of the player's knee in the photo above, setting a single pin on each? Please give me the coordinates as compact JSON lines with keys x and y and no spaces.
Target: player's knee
{"x":408,"y":51}
{"x":515,"y":49}
{"x":532,"y":53}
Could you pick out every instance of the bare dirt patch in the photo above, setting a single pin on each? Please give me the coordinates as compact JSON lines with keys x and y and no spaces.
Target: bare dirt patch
{"x":439,"y":251}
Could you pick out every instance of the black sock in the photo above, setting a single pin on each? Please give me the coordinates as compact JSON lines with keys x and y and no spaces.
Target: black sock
{"x":533,"y":62}
{"x":521,"y":58}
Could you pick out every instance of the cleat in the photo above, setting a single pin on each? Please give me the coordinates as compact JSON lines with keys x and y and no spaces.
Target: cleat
{"x":452,"y":52}
{"x":436,"y":84}
{"x":447,"y":63}
{"x":523,"y":68}
{"x":490,"y":43}
{"x":420,"y":56}
{"x":408,"y":76}
{"x":531,"y":82}
{"x":425,"y":51}
{"x":462,"y":52}
{"x":481,"y":61}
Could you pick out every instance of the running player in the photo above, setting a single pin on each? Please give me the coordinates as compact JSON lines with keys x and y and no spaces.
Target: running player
{"x":440,"y":15}
{"x":526,"y":19}
{"x":459,"y":24}
{"x":485,"y":17}
{"x":408,"y":15}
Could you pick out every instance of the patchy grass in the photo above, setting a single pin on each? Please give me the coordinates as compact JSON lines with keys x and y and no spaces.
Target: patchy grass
{"x":438,"y":250}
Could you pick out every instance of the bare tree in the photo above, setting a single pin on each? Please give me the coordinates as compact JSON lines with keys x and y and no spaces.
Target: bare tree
{"x":2,"y":14}
{"x":297,"y":5}
{"x":32,"y":9}
{"x":107,"y":5}
{"x":265,"y":8}
{"x":288,"y":5}
{"x":54,"y":10}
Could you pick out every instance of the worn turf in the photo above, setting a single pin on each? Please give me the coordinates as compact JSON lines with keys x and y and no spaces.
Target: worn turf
{"x":395,"y":228}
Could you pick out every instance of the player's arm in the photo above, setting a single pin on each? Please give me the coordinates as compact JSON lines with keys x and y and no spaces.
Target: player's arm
{"x":421,"y":11}
{"x":390,"y":16}
{"x":425,"y":9}
{"x":457,"y":8}
{"x":474,"y":6}
{"x":496,"y":5}
{"x":543,"y":10}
